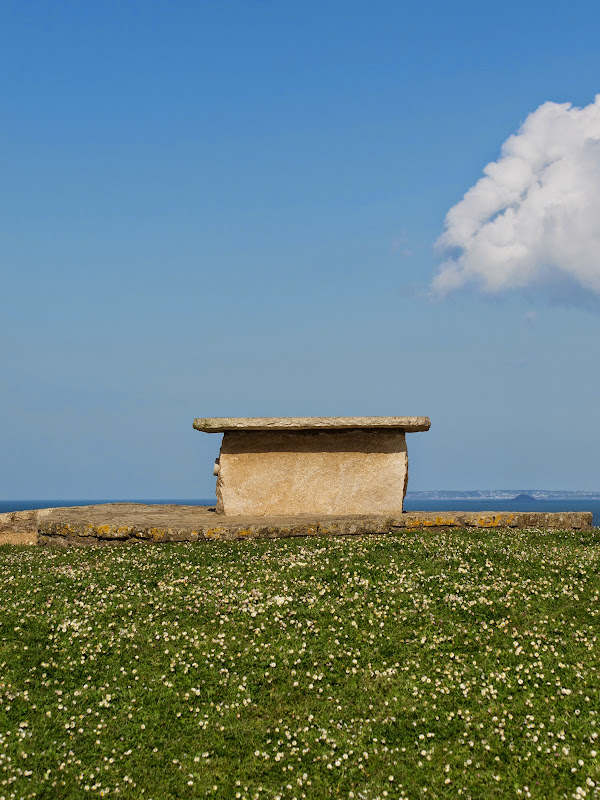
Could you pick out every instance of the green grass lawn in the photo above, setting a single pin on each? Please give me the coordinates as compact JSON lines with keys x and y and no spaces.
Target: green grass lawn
{"x":436,"y":664}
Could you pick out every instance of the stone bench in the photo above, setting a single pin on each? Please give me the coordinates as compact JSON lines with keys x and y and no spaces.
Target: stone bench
{"x":272,"y":466}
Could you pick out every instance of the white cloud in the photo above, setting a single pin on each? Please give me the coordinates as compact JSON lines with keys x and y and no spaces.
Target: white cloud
{"x":533,"y":220}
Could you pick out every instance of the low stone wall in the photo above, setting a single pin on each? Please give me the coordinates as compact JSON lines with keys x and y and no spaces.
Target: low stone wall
{"x":20,"y":527}
{"x":120,"y":523}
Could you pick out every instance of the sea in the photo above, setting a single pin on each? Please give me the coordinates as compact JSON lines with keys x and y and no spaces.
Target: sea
{"x":477,"y":500}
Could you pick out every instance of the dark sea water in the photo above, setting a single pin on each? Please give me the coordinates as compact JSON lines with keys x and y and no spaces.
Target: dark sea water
{"x":410,"y":504}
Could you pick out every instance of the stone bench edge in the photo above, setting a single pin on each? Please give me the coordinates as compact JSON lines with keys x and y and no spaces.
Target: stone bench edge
{"x":287,"y":424}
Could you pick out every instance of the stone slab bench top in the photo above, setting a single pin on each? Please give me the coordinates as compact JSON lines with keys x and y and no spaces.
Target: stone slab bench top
{"x":121,"y":523}
{"x":224,"y":424}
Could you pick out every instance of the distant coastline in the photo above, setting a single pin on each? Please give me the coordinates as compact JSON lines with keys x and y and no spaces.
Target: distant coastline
{"x":503,"y":494}
{"x":505,"y":500}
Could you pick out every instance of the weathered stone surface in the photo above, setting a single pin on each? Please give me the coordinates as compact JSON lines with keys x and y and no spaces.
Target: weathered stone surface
{"x":222,"y":424}
{"x":266,"y":473}
{"x":20,"y":527}
{"x":311,"y":465}
{"x":121,"y":523}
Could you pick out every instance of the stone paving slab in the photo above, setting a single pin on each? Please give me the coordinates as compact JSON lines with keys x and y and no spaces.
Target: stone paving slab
{"x":20,"y":527}
{"x":224,"y":424}
{"x":119,"y":523}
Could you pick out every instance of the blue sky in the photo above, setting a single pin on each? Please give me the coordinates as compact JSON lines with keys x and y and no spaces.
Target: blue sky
{"x":230,"y":209}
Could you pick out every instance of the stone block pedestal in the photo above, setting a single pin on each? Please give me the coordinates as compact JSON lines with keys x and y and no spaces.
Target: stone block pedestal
{"x":312,"y":465}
